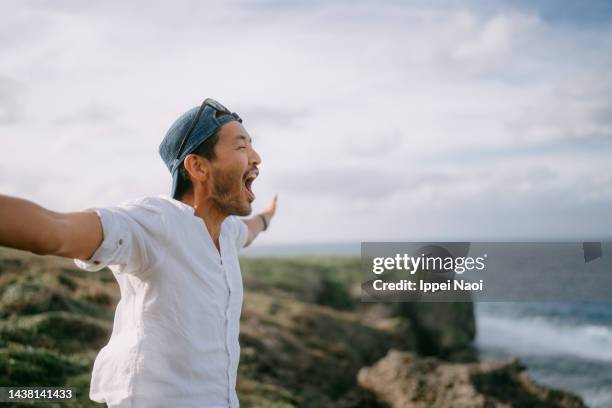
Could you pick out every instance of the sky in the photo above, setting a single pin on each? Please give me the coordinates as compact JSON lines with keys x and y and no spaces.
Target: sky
{"x":375,"y":121}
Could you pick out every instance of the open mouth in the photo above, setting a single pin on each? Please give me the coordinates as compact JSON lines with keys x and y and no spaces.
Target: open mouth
{"x":248,"y":183}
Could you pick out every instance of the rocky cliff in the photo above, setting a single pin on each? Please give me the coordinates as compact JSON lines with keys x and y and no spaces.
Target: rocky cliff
{"x":307,"y":340}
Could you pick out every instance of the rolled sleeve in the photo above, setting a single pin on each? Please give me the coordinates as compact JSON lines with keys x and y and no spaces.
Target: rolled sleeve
{"x":108,"y":250}
{"x":134,"y":238}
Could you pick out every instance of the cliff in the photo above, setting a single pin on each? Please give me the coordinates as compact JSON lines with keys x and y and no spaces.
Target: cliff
{"x":307,"y":340}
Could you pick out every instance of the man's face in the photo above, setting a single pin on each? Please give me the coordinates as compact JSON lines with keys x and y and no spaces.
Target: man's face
{"x":233,"y":170}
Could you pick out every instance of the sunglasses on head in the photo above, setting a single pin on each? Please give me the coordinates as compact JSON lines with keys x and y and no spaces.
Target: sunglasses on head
{"x":207,"y":102}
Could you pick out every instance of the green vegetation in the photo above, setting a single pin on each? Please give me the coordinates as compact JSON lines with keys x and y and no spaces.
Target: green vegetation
{"x":302,"y":343}
{"x":304,"y":334}
{"x":327,"y":281}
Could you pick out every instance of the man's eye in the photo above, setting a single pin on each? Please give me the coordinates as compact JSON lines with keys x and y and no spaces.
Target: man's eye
{"x":241,"y":147}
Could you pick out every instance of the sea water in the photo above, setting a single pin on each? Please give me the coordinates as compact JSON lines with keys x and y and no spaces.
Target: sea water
{"x":564,"y":345}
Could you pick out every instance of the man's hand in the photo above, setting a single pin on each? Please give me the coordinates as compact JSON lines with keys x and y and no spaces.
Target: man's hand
{"x":30,"y":227}
{"x":269,"y":211}
{"x":256,"y":224}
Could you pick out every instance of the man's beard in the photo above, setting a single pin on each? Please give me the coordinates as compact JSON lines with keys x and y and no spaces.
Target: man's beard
{"x":227,"y":193}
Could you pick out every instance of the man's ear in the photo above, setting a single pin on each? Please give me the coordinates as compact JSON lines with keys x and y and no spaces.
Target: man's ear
{"x":197,"y":167}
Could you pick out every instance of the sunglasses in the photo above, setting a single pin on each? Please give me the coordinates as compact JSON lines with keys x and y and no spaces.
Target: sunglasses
{"x":207,"y":102}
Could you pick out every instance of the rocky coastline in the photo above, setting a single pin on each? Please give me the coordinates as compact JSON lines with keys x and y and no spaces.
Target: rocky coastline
{"x":306,"y":339}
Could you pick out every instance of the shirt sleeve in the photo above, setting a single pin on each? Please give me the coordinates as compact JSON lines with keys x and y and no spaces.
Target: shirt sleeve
{"x":242,"y":232}
{"x":134,"y":238}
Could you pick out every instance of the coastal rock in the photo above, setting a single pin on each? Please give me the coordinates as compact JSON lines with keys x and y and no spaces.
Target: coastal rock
{"x":403,"y":380}
{"x":305,"y":354}
{"x":445,"y":330}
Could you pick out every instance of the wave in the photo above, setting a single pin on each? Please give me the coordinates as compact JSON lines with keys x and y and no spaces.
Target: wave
{"x":540,"y":336}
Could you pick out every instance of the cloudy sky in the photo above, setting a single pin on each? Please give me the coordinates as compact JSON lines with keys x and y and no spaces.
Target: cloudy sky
{"x":375,"y":120}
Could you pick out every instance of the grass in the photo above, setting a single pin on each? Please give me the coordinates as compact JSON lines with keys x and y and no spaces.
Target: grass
{"x":302,"y":343}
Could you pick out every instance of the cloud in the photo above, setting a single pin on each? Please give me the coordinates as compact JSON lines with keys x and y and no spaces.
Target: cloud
{"x":11,"y":92}
{"x":272,"y":116}
{"x":373,"y":120}
{"x":580,"y":109}
{"x":358,"y":184}
{"x":93,"y":113}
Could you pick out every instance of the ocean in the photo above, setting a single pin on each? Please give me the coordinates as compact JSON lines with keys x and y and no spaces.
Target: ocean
{"x":563,"y":345}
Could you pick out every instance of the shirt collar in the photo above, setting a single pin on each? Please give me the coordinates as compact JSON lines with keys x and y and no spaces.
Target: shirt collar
{"x":186,"y":208}
{"x":181,"y":205}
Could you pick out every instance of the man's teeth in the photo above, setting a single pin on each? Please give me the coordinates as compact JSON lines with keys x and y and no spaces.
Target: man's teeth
{"x":248,"y":183}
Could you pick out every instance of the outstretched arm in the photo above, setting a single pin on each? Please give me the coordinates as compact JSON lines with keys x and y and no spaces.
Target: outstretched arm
{"x":256,"y":224}
{"x":27,"y":226}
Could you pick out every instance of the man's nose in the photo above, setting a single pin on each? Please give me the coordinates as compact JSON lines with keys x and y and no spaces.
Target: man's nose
{"x":254,"y":157}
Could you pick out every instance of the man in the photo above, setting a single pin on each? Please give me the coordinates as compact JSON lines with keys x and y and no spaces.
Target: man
{"x":175,"y":334}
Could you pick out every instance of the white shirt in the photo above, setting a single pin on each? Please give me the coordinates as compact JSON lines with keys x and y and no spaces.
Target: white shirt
{"x":175,"y":334}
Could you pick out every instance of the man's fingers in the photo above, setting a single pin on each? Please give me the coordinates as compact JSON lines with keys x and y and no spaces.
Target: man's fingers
{"x":272,"y":207}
